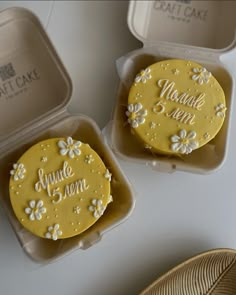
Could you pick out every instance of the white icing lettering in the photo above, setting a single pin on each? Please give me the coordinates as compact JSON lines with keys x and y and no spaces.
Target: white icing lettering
{"x":181,"y":116}
{"x":75,"y":188}
{"x":159,"y":107}
{"x":56,"y":193}
{"x":70,"y":190}
{"x":45,"y":180}
{"x":170,"y":93}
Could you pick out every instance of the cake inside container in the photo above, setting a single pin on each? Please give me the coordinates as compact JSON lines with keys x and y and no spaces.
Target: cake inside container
{"x":35,"y":90}
{"x":83,"y":129}
{"x":126,"y":144}
{"x":191,"y":30}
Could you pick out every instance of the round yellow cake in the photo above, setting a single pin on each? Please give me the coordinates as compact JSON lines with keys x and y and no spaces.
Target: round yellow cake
{"x":59,"y":188}
{"x":175,"y":106}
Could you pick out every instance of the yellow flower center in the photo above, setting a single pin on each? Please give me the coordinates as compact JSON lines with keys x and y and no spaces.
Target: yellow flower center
{"x":71,"y":147}
{"x":142,"y":74}
{"x":185,"y":141}
{"x":132,"y":116}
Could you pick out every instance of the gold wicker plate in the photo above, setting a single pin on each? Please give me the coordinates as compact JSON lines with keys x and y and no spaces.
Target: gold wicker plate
{"x":210,"y":273}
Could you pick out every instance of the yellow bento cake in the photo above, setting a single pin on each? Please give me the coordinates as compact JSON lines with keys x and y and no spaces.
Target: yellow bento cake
{"x":175,"y":106}
{"x":59,"y":188}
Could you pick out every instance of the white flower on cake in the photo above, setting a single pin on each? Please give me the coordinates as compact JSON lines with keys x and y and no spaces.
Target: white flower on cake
{"x":69,"y":147}
{"x":35,"y":210}
{"x":220,"y":110}
{"x":77,"y":210}
{"x":147,"y":146}
{"x":97,"y":208}
{"x":44,"y":159}
{"x":53,"y":232}
{"x":143,"y":76}
{"x":136,"y":115}
{"x":110,"y":199}
{"x":184,"y":142}
{"x":175,"y":71}
{"x":18,"y":171}
{"x":89,"y":159}
{"x":108,"y":175}
{"x":201,"y":75}
{"x":206,"y":135}
{"x":153,"y":125}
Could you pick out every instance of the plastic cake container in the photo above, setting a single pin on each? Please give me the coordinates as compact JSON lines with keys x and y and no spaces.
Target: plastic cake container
{"x":35,"y":91}
{"x":202,"y":31}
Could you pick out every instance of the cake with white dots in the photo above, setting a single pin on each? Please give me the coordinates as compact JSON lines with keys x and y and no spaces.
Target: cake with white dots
{"x":59,"y":188}
{"x":175,"y":107}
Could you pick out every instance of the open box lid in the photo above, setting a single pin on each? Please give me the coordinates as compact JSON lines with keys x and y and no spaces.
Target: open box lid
{"x":34,"y":86}
{"x":207,"y":24}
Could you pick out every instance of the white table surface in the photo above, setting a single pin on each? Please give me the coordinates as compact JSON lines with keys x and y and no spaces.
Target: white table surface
{"x":176,"y":216}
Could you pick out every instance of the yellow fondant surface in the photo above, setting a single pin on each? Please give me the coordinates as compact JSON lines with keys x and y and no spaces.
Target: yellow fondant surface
{"x":175,"y":106}
{"x":59,"y":188}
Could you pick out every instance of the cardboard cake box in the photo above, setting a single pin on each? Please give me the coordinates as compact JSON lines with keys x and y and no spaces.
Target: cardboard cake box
{"x":201,"y":31}
{"x":35,"y":90}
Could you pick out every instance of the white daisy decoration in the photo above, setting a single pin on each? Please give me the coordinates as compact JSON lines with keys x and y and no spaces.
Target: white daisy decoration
{"x":88,"y":159}
{"x":44,"y":159}
{"x":201,"y":75}
{"x":18,"y":171}
{"x":77,"y":210}
{"x":143,"y":76}
{"x":147,"y":146}
{"x":184,"y":142}
{"x":97,"y":208}
{"x":35,"y":210}
{"x":69,"y":147}
{"x":153,"y":125}
{"x":108,"y":175}
{"x":53,"y":232}
{"x":206,"y":135}
{"x":136,"y":114}
{"x":220,"y":110}
{"x":175,"y":71}
{"x":110,"y":200}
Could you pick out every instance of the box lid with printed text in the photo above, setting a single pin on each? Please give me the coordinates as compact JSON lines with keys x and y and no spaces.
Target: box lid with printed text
{"x":207,"y":24}
{"x":34,"y":85}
